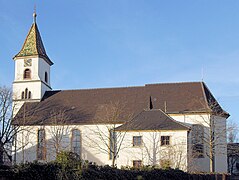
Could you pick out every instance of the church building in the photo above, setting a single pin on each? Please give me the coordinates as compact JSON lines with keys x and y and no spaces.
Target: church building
{"x":178,"y":125}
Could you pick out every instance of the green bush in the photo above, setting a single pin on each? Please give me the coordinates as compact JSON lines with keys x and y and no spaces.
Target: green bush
{"x":68,"y":160}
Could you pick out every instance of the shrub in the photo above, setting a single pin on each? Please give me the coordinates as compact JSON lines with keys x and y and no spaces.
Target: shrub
{"x":68,"y":160}
{"x":64,"y":168}
{"x":36,"y":171}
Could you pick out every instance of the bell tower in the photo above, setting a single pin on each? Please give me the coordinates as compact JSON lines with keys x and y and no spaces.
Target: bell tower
{"x":32,"y":69}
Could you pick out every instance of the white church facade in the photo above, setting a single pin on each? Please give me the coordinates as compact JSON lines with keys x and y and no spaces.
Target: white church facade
{"x":178,"y":125}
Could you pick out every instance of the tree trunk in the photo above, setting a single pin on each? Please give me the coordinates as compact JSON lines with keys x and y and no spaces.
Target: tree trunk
{"x":1,"y":154}
{"x":113,"y":161}
{"x":212,"y":162}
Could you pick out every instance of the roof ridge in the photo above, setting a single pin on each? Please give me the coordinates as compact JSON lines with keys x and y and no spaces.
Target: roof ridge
{"x":178,"y":122}
{"x":203,"y":86}
{"x":126,"y":87}
{"x":181,"y":82}
{"x":35,"y":26}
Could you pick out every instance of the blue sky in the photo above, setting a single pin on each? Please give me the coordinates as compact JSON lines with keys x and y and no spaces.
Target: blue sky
{"x":112,"y":43}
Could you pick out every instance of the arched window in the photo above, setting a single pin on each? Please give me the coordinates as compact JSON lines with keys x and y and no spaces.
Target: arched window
{"x":46,"y":77}
{"x":22,"y":94}
{"x":29,"y":95}
{"x":26,"y":93}
{"x":41,"y":145}
{"x":76,"y":141}
{"x":27,"y":74}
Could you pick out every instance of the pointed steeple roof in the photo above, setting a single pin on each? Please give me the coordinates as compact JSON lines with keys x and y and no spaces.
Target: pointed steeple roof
{"x":33,"y":45}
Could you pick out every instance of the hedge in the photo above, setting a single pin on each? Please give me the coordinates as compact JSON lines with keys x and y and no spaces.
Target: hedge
{"x":69,"y":166}
{"x":55,"y":171}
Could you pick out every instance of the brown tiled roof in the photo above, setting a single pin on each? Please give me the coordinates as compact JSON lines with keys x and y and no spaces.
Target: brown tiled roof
{"x":33,"y":45}
{"x":152,"y":120}
{"x":87,"y":105}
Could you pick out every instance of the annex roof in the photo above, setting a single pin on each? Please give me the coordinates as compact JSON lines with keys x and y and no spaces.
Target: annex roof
{"x":90,"y":106}
{"x":154,"y":119}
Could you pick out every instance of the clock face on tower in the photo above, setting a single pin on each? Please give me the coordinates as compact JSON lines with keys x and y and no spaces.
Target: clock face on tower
{"x":27,"y":62}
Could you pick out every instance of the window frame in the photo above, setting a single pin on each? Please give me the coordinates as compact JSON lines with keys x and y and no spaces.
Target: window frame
{"x":23,"y":95}
{"x":137,"y":141}
{"x":46,"y":77}
{"x":197,"y":141}
{"x":164,"y":141}
{"x":76,"y":141}
{"x":26,"y":94}
{"x":27,"y":74}
{"x":29,"y":95}
{"x":137,"y":163}
{"x":41,"y":149}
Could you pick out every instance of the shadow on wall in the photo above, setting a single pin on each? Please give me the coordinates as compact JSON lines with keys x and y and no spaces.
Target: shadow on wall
{"x":30,"y":154}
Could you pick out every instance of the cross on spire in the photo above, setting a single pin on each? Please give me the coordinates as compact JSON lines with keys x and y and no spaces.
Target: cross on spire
{"x":34,"y":14}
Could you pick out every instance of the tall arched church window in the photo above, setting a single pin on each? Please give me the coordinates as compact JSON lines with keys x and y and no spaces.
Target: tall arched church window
{"x":26,"y":93}
{"x":27,"y":74}
{"x":22,"y":94}
{"x":41,"y":145}
{"x":76,"y":141}
{"x":46,"y":77}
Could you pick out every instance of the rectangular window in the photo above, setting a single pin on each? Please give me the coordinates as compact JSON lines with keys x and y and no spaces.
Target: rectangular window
{"x":165,"y":140}
{"x":41,"y":145}
{"x":76,"y":141}
{"x":137,"y":140}
{"x":113,"y":145}
{"x":197,"y":141}
{"x":137,"y":163}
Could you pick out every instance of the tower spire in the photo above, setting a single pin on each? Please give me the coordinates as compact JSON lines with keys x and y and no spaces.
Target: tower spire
{"x":34,"y":14}
{"x":33,"y":45}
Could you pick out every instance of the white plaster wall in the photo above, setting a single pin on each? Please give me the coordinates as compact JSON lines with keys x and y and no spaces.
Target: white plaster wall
{"x":192,"y":118}
{"x":34,"y":87}
{"x":26,"y":144}
{"x":35,"y":84}
{"x":44,"y":67}
{"x":94,"y":149}
{"x":19,"y":69}
{"x":221,"y":144}
{"x":89,"y":137}
{"x":151,"y":152}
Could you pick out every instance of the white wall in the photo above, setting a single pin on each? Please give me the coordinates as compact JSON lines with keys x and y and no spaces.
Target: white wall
{"x":94,"y":149}
{"x":43,"y":67}
{"x":151,"y":152}
{"x":36,"y":84}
